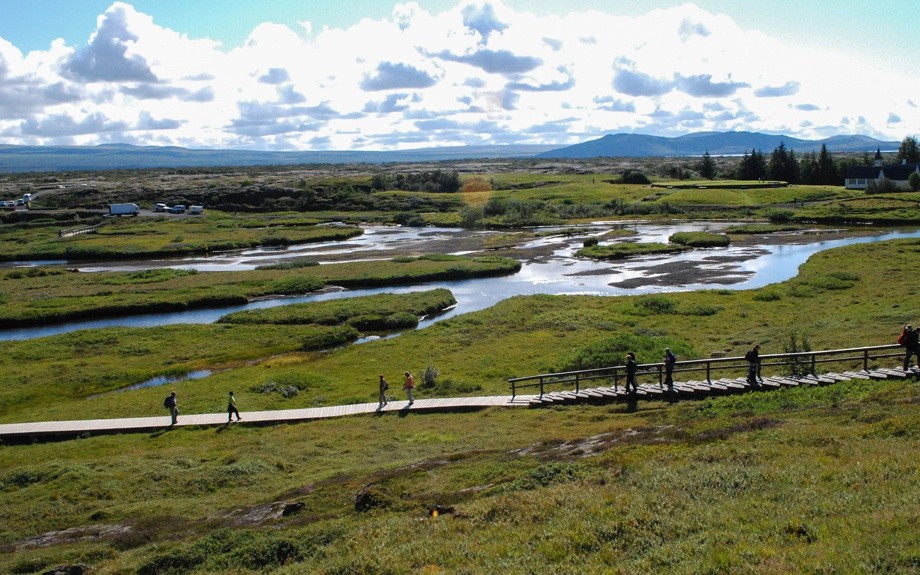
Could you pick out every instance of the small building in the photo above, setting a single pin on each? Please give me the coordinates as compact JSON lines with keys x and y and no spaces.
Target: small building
{"x":859,"y":177}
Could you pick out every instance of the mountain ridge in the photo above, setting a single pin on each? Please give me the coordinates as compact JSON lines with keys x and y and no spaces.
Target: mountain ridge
{"x":716,"y":143}
{"x":15,"y":159}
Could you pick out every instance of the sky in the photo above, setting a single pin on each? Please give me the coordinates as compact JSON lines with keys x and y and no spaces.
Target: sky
{"x":384,"y":75}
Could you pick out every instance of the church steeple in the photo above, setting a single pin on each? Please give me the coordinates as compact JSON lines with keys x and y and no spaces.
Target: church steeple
{"x":878,"y":163}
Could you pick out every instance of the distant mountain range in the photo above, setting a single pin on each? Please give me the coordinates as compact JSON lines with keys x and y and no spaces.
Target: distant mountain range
{"x":123,"y":156}
{"x":716,"y":143}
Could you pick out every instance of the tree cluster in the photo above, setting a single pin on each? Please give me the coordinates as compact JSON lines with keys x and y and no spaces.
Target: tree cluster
{"x":909,"y":151}
{"x":437,"y":181}
{"x":752,"y":167}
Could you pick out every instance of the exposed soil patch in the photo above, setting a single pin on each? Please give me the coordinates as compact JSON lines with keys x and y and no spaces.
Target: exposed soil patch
{"x":683,"y":273}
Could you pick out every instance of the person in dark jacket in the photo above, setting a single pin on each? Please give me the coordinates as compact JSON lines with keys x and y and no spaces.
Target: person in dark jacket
{"x":631,"y":368}
{"x":669,"y":361}
{"x":753,"y":359}
{"x":911,"y":345}
{"x":172,"y":403}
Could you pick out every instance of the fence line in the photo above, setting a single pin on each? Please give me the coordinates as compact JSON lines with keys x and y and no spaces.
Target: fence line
{"x":799,"y":363}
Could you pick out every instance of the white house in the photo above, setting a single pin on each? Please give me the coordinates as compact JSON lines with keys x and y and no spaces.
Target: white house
{"x":859,"y":177}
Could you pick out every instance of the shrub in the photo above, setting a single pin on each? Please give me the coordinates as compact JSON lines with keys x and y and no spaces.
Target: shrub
{"x":590,"y":242}
{"x":779,"y":216}
{"x":914,"y":182}
{"x":657,"y":305}
{"x":634,"y":177}
{"x":797,"y":344}
{"x":430,"y":377}
{"x":883,"y":186}
{"x":768,"y":295}
{"x":409,"y":220}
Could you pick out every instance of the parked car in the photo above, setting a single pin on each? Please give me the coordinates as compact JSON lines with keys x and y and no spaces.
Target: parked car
{"x":175,"y":209}
{"x":196,"y":210}
{"x":160,"y":208}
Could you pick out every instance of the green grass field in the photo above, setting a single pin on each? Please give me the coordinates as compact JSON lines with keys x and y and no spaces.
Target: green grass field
{"x":166,"y":236}
{"x":810,"y":480}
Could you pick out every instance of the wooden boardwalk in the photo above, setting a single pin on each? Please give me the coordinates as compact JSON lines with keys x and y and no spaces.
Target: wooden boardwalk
{"x":700,"y":389}
{"x":682,"y":390}
{"x":86,"y":427}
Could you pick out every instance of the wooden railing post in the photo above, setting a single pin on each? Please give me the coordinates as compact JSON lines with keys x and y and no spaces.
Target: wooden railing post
{"x":576,"y":383}
{"x":541,"y":387}
{"x":865,"y":360}
{"x":708,"y":372}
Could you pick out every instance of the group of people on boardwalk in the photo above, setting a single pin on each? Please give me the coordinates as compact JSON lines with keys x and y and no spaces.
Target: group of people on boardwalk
{"x":670,"y":360}
{"x":408,"y":386}
{"x":632,"y":367}
{"x":172,"y":404}
{"x":909,"y":339}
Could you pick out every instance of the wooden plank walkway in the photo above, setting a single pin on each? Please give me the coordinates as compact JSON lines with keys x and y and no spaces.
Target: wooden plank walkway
{"x":76,"y":428}
{"x":598,"y":395}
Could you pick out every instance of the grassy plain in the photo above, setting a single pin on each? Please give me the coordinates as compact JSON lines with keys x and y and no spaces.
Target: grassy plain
{"x":800,"y":480}
{"x":820,"y":480}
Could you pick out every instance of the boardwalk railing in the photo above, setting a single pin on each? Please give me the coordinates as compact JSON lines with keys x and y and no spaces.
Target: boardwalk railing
{"x":800,"y":363}
{"x":79,"y":230}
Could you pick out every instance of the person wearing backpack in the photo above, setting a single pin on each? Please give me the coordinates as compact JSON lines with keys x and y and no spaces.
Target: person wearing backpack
{"x":172,"y":404}
{"x":911,"y":345}
{"x":669,"y":361}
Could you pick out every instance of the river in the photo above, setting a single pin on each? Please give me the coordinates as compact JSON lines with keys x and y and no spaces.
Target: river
{"x":548,"y":267}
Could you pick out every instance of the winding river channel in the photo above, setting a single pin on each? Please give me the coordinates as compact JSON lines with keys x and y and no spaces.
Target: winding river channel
{"x":548,"y":267}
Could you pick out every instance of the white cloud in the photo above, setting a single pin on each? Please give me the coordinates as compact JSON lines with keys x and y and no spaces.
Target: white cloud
{"x":479,"y":72}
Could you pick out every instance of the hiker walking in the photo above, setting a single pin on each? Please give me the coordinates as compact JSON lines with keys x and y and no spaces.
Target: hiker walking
{"x":669,"y":360}
{"x":631,"y":367}
{"x":384,"y":386}
{"x":409,"y":386}
{"x":172,"y":404}
{"x":911,"y":345}
{"x":231,"y":408}
{"x":753,"y":359}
